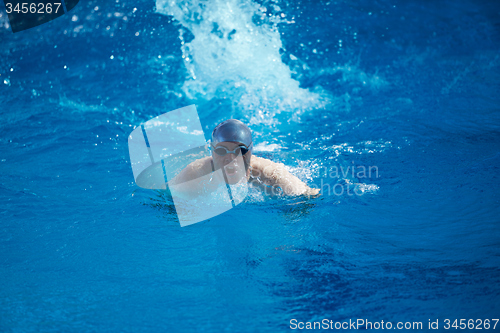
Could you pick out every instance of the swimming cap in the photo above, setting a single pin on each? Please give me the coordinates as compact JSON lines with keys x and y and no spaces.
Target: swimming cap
{"x":232,"y":130}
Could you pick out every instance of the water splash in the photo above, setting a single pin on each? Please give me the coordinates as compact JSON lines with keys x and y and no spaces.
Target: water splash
{"x":235,"y":55}
{"x":4,"y":21}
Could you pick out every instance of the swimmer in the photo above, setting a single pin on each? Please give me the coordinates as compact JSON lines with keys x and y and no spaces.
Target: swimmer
{"x":230,"y":140}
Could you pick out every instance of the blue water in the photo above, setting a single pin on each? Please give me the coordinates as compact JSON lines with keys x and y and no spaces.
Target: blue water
{"x":410,"y":87}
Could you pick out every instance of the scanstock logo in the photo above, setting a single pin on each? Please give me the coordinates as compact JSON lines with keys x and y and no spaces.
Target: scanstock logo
{"x":25,"y":14}
{"x":164,"y":146}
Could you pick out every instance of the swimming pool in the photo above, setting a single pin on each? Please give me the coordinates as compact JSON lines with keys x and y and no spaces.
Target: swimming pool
{"x":410,"y":88}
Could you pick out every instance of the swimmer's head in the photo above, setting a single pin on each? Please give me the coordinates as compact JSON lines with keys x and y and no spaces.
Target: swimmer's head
{"x":232,"y":130}
{"x":230,"y":139}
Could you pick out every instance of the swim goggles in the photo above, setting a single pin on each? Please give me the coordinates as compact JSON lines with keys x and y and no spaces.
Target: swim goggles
{"x":222,"y":151}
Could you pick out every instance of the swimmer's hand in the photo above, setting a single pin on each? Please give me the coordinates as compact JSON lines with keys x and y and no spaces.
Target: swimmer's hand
{"x":312,"y":192}
{"x":275,"y":175}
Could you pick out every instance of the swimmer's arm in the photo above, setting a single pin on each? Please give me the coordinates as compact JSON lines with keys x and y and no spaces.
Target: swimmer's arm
{"x":275,"y":174}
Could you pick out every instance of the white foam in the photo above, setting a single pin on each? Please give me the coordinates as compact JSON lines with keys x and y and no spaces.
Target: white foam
{"x":352,"y":73}
{"x":267,"y":147}
{"x":4,"y":21}
{"x":234,"y":57}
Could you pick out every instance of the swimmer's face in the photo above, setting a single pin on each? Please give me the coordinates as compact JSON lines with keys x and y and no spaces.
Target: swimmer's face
{"x":232,"y":164}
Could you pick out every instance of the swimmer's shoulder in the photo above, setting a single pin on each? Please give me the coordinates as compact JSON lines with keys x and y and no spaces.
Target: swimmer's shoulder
{"x":202,"y":166}
{"x":262,"y":166}
{"x":193,"y":170}
{"x":259,"y":162}
{"x":275,"y":174}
